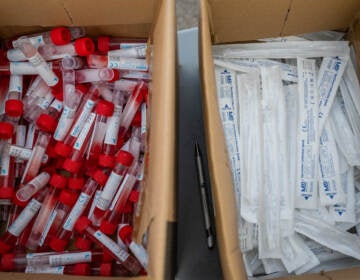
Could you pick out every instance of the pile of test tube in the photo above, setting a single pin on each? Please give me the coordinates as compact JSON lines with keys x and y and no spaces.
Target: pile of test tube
{"x":290,"y":110}
{"x":72,"y":145}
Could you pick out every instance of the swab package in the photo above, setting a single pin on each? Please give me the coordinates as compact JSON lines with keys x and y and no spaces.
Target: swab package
{"x":290,"y":109}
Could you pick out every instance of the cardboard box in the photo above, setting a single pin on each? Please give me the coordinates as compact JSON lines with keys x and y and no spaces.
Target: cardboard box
{"x":137,"y":18}
{"x":232,"y":21}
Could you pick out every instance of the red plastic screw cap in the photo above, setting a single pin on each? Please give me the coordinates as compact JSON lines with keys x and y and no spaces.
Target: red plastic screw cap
{"x":82,"y":269}
{"x":6,"y":130}
{"x":100,"y":177}
{"x":6,"y":192}
{"x":106,"y":269}
{"x":72,"y":166}
{"x":7,"y":262}
{"x":83,"y":243}
{"x":68,"y":198}
{"x":76,"y":183}
{"x":58,"y":181}
{"x":62,"y":149}
{"x":58,"y":244}
{"x":107,"y":228}
{"x":103,"y":44}
{"x":125,"y":158}
{"x":137,"y":119}
{"x":116,"y":76}
{"x":46,"y":123}
{"x":81,"y":88}
{"x":105,"y":108}
{"x":14,"y":108}
{"x":107,"y":161}
{"x":84,"y":46}
{"x":125,"y":232}
{"x":4,"y":248}
{"x":82,"y":224}
{"x":60,"y":36}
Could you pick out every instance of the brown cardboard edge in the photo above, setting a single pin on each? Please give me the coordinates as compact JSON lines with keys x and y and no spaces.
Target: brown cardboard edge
{"x":219,"y":166}
{"x":159,"y":216}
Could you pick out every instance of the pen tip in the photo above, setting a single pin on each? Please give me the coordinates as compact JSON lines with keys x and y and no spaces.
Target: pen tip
{"x":197,"y":148}
{"x":210,"y":241}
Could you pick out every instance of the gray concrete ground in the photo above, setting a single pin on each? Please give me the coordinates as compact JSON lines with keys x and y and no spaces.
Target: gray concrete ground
{"x":187,"y":13}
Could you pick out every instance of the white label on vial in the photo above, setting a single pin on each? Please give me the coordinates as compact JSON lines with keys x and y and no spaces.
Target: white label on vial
{"x":113,"y":125}
{"x":131,"y":45}
{"x":108,"y":243}
{"x":94,"y":202}
{"x":109,"y":190}
{"x":44,"y":70}
{"x":18,"y":226}
{"x":21,"y":135}
{"x":140,"y":253}
{"x":308,"y":138}
{"x":64,"y":124}
{"x":129,"y":180}
{"x":47,"y":227}
{"x":30,"y":136}
{"x":23,"y":153}
{"x":4,"y":164}
{"x":138,"y":75}
{"x":70,"y":258}
{"x":84,"y":132}
{"x":22,"y":68}
{"x":87,"y":109}
{"x":16,"y":83}
{"x":57,"y":105}
{"x":44,"y":269}
{"x":143,"y":118}
{"x":76,"y":211}
{"x":123,"y":63}
{"x":37,"y":41}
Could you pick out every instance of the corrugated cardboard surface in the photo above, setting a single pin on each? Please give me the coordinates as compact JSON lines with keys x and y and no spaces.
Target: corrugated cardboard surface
{"x":230,"y":19}
{"x":138,"y":18}
{"x":246,"y":23}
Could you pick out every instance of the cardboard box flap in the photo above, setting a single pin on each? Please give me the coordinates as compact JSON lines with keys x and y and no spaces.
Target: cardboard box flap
{"x":76,"y":12}
{"x":244,"y":20}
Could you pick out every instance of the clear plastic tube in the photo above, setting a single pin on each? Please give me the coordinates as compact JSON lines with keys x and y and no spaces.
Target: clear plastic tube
{"x":96,"y":75}
{"x":124,"y":258}
{"x":14,"y":105}
{"x":36,"y":60}
{"x":72,"y":62}
{"x":134,"y":52}
{"x":110,"y":43}
{"x":117,"y":62}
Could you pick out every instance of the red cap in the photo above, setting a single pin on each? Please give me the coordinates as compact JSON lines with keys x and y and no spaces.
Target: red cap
{"x":107,"y":161}
{"x":103,"y":43}
{"x":7,"y":262}
{"x":18,"y":202}
{"x":58,"y":244}
{"x":134,"y":196}
{"x":72,"y":166}
{"x":107,"y":227}
{"x":106,"y":269}
{"x":125,"y":158}
{"x":6,"y":192}
{"x":60,"y":36}
{"x":137,"y":119}
{"x":128,"y":208}
{"x":4,"y":247}
{"x":81,"y":88}
{"x":58,"y":181}
{"x":6,"y":130}
{"x":105,"y":108}
{"x":62,"y":149}
{"x":100,"y":177}
{"x":68,"y":198}
{"x":76,"y":183}
{"x":116,"y":76}
{"x":14,"y":107}
{"x":106,"y":257}
{"x":82,"y":223}
{"x":83,"y":243}
{"x":82,"y":269}
{"x":84,"y":46}
{"x":46,"y":123}
{"x":125,"y":232}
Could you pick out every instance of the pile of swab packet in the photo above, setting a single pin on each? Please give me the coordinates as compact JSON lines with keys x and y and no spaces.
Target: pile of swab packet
{"x":290,"y":110}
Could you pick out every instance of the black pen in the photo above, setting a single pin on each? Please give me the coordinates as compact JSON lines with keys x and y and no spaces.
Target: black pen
{"x":204,"y":197}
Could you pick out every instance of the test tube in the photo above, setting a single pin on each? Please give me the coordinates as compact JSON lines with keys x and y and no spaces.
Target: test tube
{"x":117,"y":62}
{"x":24,"y":68}
{"x":124,"y":160}
{"x":13,"y":104}
{"x":131,"y":107}
{"x":57,"y":183}
{"x":25,"y":193}
{"x":96,"y":75}
{"x":72,"y":62}
{"x":83,"y":226}
{"x":78,"y":121}
{"x":82,"y":47}
{"x":33,"y":165}
{"x":72,"y":98}
{"x":104,"y":110}
{"x":72,"y":269}
{"x":106,"y":43}
{"x":61,"y":240}
{"x":48,"y":120}
{"x":22,"y":221}
{"x":112,"y":219}
{"x":34,"y":57}
{"x":134,"y":52}
{"x":38,"y":106}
